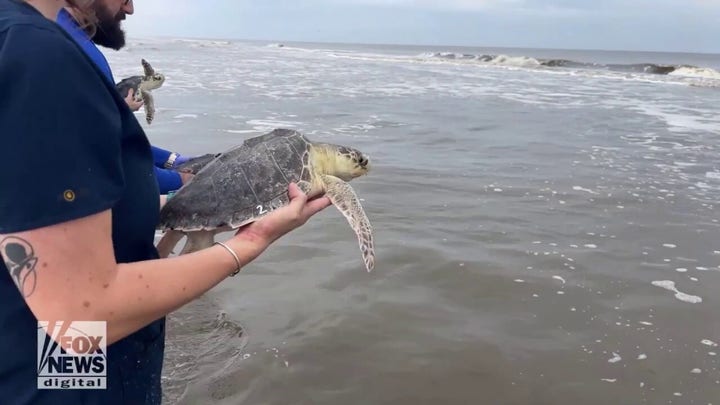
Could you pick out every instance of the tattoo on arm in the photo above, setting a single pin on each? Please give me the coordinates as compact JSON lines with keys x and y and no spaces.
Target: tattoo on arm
{"x":20,"y":260}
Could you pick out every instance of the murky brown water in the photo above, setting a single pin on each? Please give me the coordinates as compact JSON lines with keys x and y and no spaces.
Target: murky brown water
{"x":527,"y":225}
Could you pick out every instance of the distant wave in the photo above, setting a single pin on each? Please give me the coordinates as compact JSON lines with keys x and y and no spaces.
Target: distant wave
{"x":692,"y":71}
{"x":526,"y":61}
{"x":490,"y":59}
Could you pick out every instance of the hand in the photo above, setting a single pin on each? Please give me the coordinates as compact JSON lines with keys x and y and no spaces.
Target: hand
{"x":130,"y":100}
{"x":283,"y":220}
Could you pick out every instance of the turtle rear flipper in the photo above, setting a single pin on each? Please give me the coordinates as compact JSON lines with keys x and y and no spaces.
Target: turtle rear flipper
{"x":148,"y":105}
{"x":168,"y":242}
{"x":197,"y":241}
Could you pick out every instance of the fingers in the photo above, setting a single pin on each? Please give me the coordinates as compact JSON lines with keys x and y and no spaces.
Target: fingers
{"x":304,"y":209}
{"x":316,"y":205}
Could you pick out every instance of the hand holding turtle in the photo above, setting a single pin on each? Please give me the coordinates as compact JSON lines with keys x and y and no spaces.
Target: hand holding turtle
{"x":131,"y":102}
{"x":274,"y":225}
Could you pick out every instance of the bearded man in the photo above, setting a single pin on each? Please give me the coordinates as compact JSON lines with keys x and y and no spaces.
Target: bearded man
{"x":104,"y":27}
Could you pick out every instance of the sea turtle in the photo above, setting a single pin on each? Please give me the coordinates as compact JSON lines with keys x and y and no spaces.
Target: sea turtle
{"x":142,"y":86}
{"x":248,"y":181}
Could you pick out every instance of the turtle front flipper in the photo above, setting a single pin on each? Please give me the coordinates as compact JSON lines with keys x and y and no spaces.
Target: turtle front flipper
{"x":149,"y":71}
{"x":149,"y":105}
{"x":344,"y":198}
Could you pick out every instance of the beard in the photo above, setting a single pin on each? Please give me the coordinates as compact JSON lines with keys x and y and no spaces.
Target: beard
{"x":108,"y":33}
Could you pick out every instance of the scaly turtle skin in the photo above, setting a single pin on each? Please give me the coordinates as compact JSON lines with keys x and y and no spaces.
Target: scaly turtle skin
{"x":247,"y":182}
{"x":142,"y":87}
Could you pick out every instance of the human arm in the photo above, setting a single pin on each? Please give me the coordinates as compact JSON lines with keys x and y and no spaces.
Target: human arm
{"x":76,"y":275}
{"x":168,"y":180}
{"x":166,"y":159}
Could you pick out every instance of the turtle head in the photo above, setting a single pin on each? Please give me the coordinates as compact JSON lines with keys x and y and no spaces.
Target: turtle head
{"x":154,"y":81}
{"x":342,"y":161}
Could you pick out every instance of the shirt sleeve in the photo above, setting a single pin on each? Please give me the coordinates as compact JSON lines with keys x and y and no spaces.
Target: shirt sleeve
{"x":60,"y":132}
{"x":168,"y":180}
{"x":160,"y":156}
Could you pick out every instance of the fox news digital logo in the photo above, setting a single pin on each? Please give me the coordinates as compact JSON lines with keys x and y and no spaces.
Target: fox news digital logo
{"x":72,"y":355}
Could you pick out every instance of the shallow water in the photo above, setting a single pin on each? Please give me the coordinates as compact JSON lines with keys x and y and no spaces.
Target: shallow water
{"x":543,"y":236}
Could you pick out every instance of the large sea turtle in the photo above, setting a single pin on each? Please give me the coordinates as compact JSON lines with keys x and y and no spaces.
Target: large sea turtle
{"x":142,"y":87}
{"x":246,"y":182}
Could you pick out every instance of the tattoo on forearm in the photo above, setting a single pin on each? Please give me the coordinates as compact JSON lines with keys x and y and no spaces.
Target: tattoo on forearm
{"x":20,"y":259}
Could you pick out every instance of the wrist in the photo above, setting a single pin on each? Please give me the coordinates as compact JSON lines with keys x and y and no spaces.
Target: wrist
{"x":247,"y":249}
{"x":170,"y":162}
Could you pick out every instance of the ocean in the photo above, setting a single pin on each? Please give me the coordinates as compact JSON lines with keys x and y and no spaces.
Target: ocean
{"x":545,"y":224}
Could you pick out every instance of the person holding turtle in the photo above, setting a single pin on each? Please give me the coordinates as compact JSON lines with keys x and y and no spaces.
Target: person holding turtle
{"x":106,"y":31}
{"x":78,"y":213}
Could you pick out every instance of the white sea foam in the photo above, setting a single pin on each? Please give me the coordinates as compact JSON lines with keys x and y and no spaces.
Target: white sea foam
{"x":690,"y":71}
{"x":670,"y":285}
{"x":587,"y":190}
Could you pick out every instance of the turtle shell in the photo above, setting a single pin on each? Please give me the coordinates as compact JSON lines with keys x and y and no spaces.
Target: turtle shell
{"x":132,"y":82}
{"x":241,"y":185}
{"x":194,"y":165}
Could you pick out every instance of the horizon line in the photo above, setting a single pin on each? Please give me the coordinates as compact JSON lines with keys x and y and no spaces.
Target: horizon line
{"x":239,"y":39}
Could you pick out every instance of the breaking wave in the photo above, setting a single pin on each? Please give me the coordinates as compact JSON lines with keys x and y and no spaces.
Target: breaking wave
{"x":506,"y":60}
{"x":526,"y":61}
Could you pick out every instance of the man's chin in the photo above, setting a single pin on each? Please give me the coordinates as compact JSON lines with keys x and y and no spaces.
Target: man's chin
{"x":115,"y":42}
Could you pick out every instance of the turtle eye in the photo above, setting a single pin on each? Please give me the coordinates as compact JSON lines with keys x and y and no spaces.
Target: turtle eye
{"x":363,"y":161}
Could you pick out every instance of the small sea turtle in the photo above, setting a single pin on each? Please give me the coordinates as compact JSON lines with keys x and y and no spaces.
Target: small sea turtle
{"x":248,"y":181}
{"x":142,"y":86}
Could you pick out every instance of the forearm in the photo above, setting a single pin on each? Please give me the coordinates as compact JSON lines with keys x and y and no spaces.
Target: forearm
{"x":168,"y":180}
{"x":145,"y":291}
{"x":130,"y":296}
{"x":160,"y":155}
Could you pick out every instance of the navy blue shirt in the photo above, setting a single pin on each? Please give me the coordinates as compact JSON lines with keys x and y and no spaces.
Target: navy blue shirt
{"x":64,"y":127}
